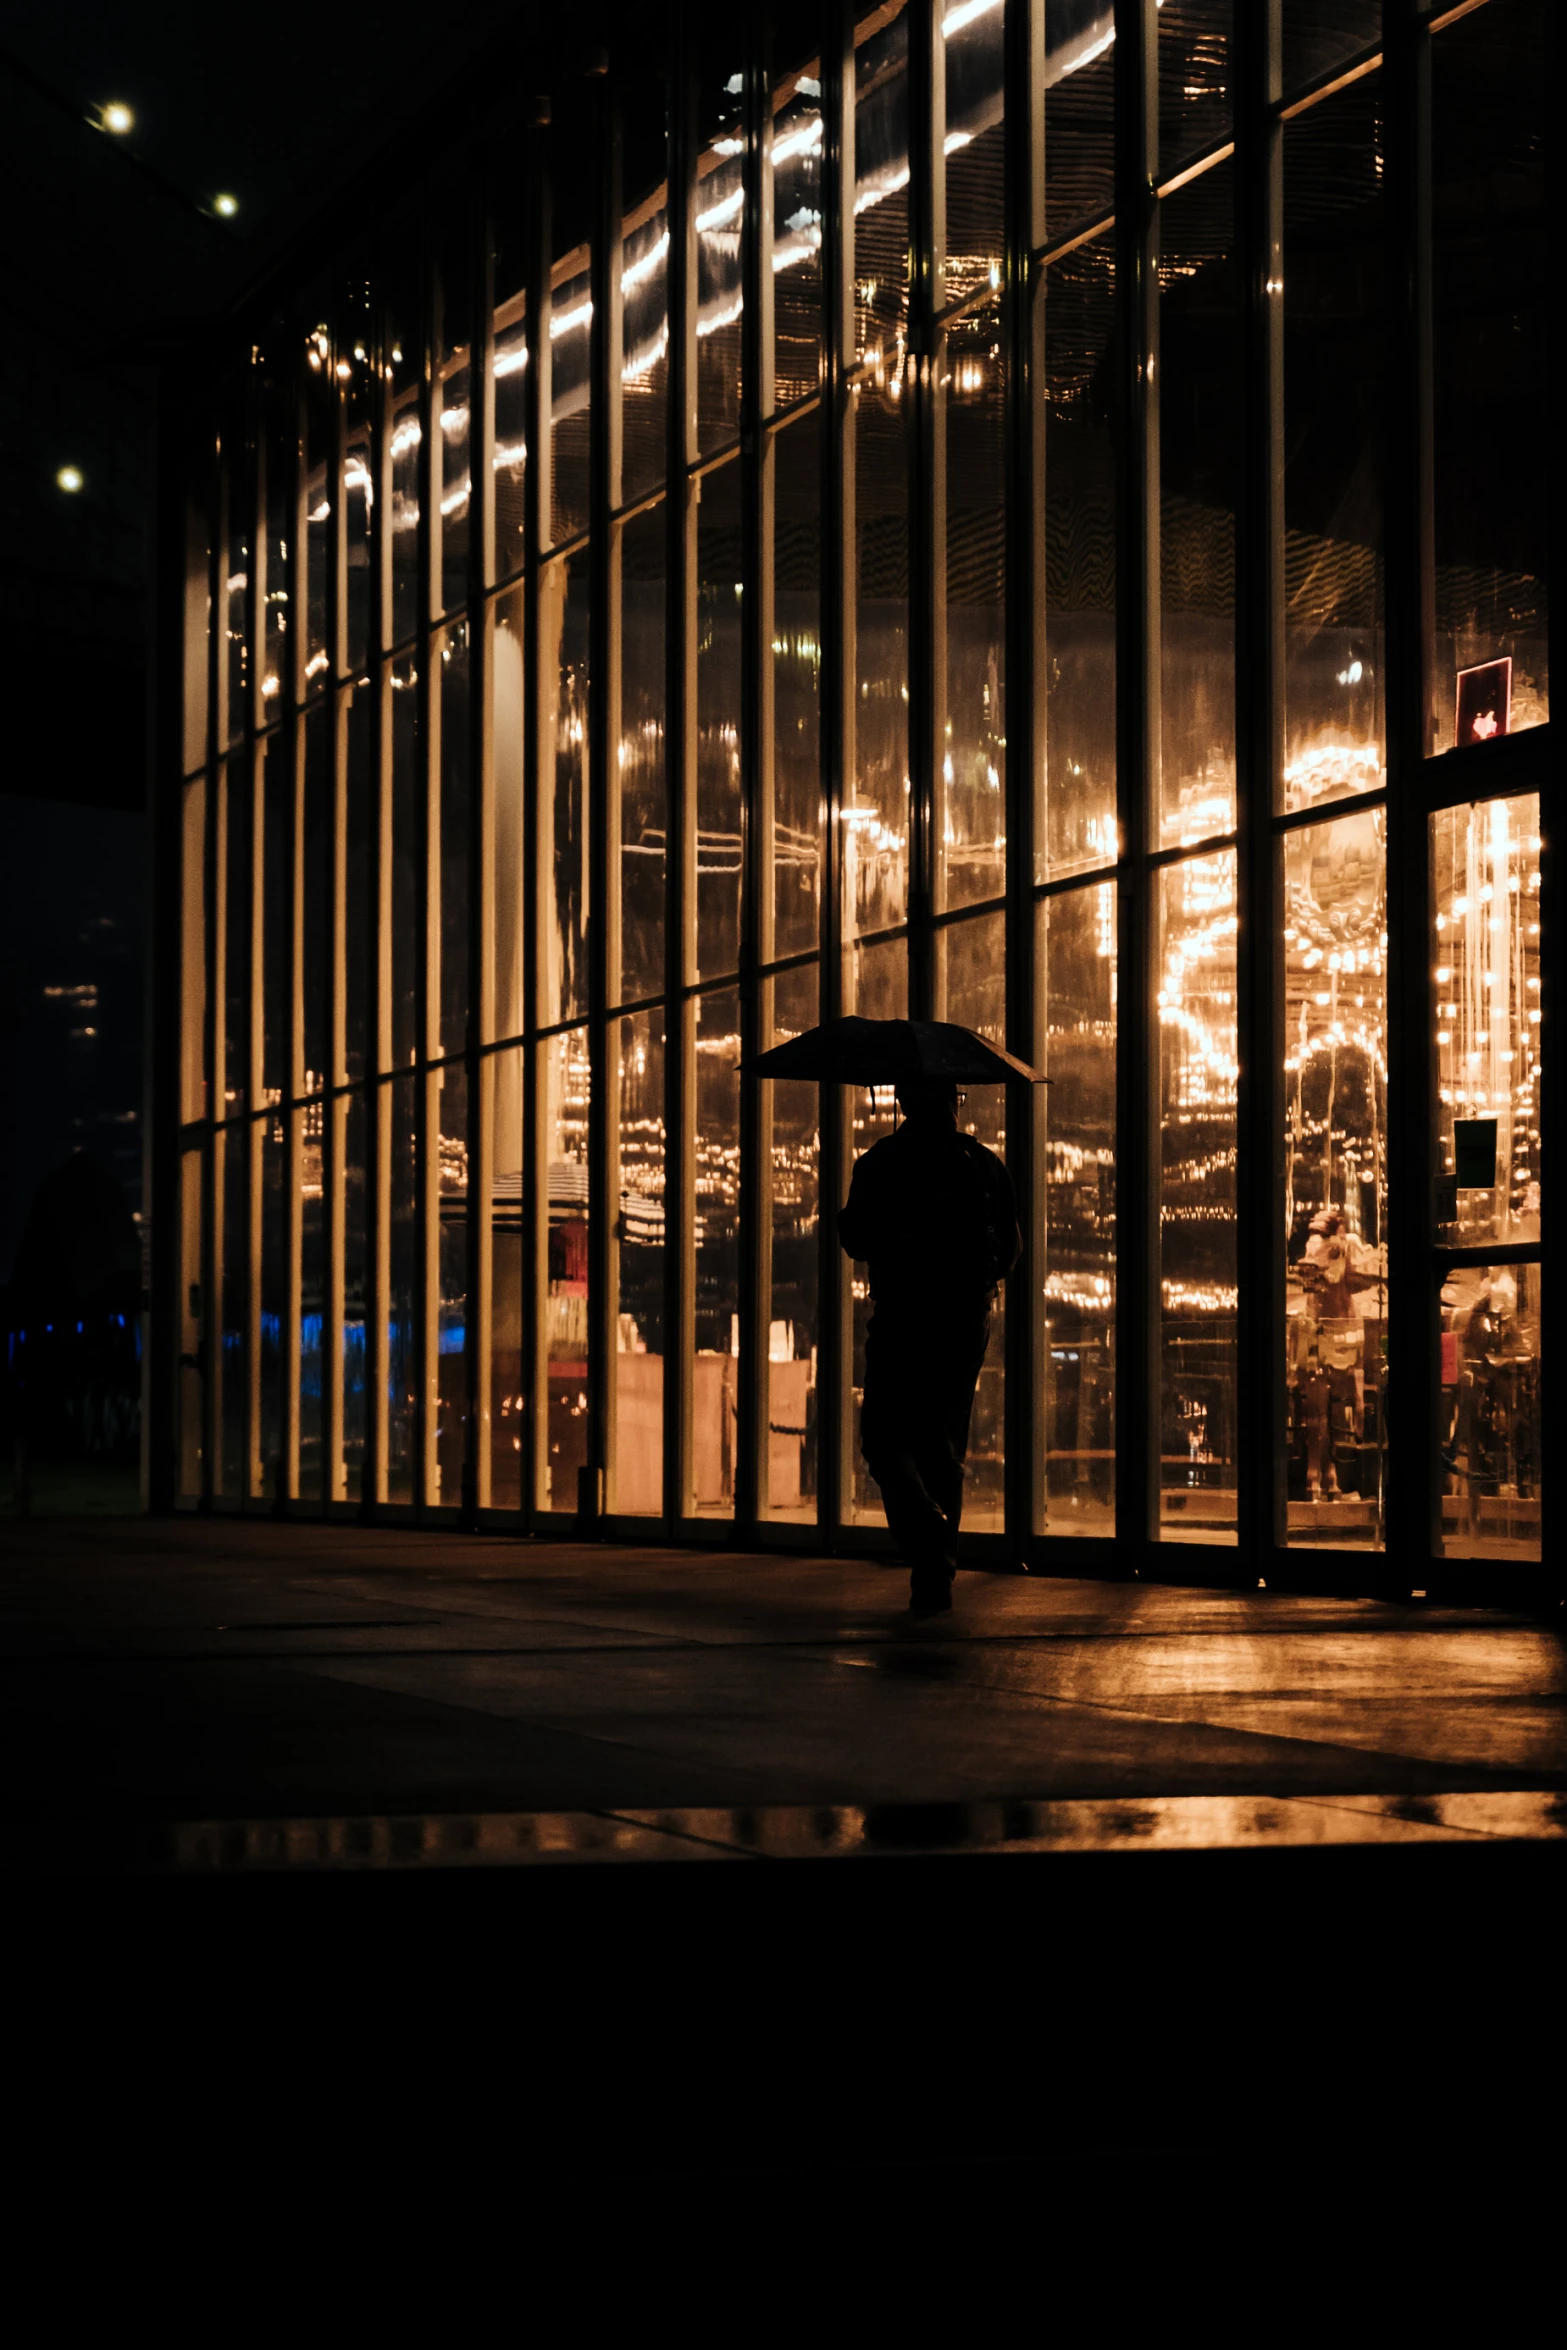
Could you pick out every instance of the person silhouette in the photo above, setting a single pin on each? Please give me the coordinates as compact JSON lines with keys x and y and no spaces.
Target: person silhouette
{"x":932,"y":1215}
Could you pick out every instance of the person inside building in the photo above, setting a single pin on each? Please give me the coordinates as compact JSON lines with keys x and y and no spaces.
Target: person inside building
{"x":931,"y":1214}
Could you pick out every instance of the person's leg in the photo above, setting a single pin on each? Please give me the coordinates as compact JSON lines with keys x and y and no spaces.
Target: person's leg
{"x":895,"y":1438}
{"x":959,"y":1359}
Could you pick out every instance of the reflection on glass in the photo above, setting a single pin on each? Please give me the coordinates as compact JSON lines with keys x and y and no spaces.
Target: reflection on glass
{"x":876,"y":986}
{"x":453,"y":405}
{"x":1335,"y":1176}
{"x":316,"y":892}
{"x":504,"y":817}
{"x":275,"y":780}
{"x":1486,"y":879}
{"x":1079,"y":113}
{"x":644,"y":368}
{"x":970,"y":812}
{"x":796,"y":846}
{"x":565,"y":1316}
{"x":402,"y":1305}
{"x":1489,"y":1430}
{"x":267,"y":1355}
{"x":1320,"y":34}
{"x":410,"y":852}
{"x":1080,"y":825}
{"x":231,"y":1163}
{"x":881,"y":190}
{"x":452,"y":999}
{"x":357,"y":900}
{"x":1333,"y":340}
{"x":240,"y":472}
{"x":1492,"y":279}
{"x":502,"y":1075}
{"x":718,"y":816}
{"x":407,"y":436}
{"x":320,"y":403}
{"x":571,"y":386}
{"x":795,"y":1112}
{"x":720,"y":290}
{"x":1074,"y":1214}
{"x":975,"y":146}
{"x":1197,"y":1151}
{"x":193,"y":949}
{"x":240,"y":861}
{"x":191,"y":1331}
{"x":563,"y":809}
{"x":312,"y":1301}
{"x":358,"y":525}
{"x":971,"y":988}
{"x":641,"y":773}
{"x":713,"y":1388}
{"x":451,"y":1420}
{"x":282,"y":445}
{"x":510,"y":462}
{"x":1195,"y":77}
{"x":875,"y":816}
{"x":638,"y":1448}
{"x":356,"y":1289}
{"x":797,"y":234}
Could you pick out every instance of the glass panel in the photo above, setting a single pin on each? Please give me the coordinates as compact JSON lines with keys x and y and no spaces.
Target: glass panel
{"x":1320,"y":34}
{"x":276,"y":774}
{"x":356,"y":376}
{"x":1490,"y":1437}
{"x":271,"y":1368}
{"x":240,"y":860}
{"x":1074,"y":1210}
{"x":644,"y":367}
{"x":1199,"y":452}
{"x":797,"y":235}
{"x":876,"y":985}
{"x":316,"y":896}
{"x":971,"y":808}
{"x":1197,"y":1262}
{"x":797,"y":670}
{"x":356,"y":1289}
{"x":191,"y":1327}
{"x":1194,"y":77}
{"x":571,"y":386}
{"x":720,"y":292}
{"x":320,"y":387}
{"x":717,"y":1319}
{"x":231,"y":1164}
{"x":240,"y":471}
{"x":1335,"y":1178}
{"x":193,"y":950}
{"x":502,"y":1073}
{"x":975,"y":145}
{"x":452,"y":400}
{"x":407,"y":436}
{"x":453,"y":1027}
{"x":1079,"y":114}
{"x":1080,"y":822}
{"x":358,"y":906}
{"x":410,"y":851}
{"x":511,"y":448}
{"x":312,"y":1301}
{"x":402,"y":1349}
{"x":1492,"y":274}
{"x":881,"y":191}
{"x":198,"y":615}
{"x":971,"y":987}
{"x":794,"y":1111}
{"x":876,"y":814}
{"x":282,"y":456}
{"x":504,"y":820}
{"x":451,"y":1414}
{"x":719,"y":834}
{"x":565,"y":1317}
{"x":563,"y":811}
{"x":644,"y":804}
{"x":639,"y":1342}
{"x":1333,"y":341}
{"x":1486,"y":877}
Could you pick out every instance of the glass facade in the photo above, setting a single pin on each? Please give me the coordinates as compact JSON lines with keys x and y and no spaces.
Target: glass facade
{"x":1030,"y":515}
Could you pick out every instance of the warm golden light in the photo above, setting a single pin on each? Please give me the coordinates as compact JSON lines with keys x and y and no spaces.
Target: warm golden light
{"x":117,"y":117}
{"x":69,"y":477}
{"x":225,"y":206}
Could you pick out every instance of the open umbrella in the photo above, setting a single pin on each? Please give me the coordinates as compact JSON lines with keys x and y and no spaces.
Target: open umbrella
{"x":885,"y":1052}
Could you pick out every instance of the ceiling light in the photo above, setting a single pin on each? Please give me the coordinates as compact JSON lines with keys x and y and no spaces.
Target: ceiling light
{"x":225,"y":206}
{"x":69,"y":477}
{"x":116,"y":117}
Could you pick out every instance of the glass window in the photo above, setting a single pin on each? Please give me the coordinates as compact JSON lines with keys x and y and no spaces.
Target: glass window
{"x":563,"y":809}
{"x":351,"y":1369}
{"x":971,"y":988}
{"x":1486,"y":975}
{"x":321,"y":395}
{"x":1199,"y":455}
{"x":402,"y":1305}
{"x":1074,"y":1210}
{"x":451,"y":1415}
{"x":791,"y":1004}
{"x":1320,"y":34}
{"x":312,"y":1302}
{"x":273,"y":1365}
{"x":641,"y":773}
{"x":511,"y":447}
{"x":876,"y":986}
{"x":316,"y":891}
{"x":505,"y":817}
{"x":231,"y":1154}
{"x":644,"y":367}
{"x":240,"y":475}
{"x":452,"y":657}
{"x":1079,"y":114}
{"x":193,"y":950}
{"x":1489,"y":1431}
{"x":358,"y":904}
{"x":638,"y":1449}
{"x":1080,"y":331}
{"x":359,"y":516}
{"x":571,"y":386}
{"x":238,"y":939}
{"x":281,"y":459}
{"x":565,"y":1316}
{"x":796,"y":852}
{"x":1335,"y":739}
{"x":275,"y":774}
{"x":720,"y":289}
{"x":974,"y":48}
{"x":198,"y":614}
{"x":1492,"y":279}
{"x":410,"y":851}
{"x":881,"y":189}
{"x":194,"y":1328}
{"x":876,"y":807}
{"x":797,"y":235}
{"x":502,"y":1076}
{"x":719,"y":822}
{"x":1198,"y":1281}
{"x":401,"y":364}
{"x":1195,"y":74}
{"x":452,"y":403}
{"x":971,"y":808}
{"x":1335,"y":1179}
{"x":717,"y":1255}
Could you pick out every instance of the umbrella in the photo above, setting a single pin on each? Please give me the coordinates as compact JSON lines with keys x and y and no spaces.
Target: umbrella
{"x":885,"y":1052}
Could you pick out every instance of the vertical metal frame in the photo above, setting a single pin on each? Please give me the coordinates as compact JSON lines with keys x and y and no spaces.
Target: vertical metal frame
{"x":927,"y":487}
{"x":334,"y":1107}
{"x":427,"y":896}
{"x":680,"y":775}
{"x":536,"y":432}
{"x":378,"y":1043}
{"x":478,"y":1327}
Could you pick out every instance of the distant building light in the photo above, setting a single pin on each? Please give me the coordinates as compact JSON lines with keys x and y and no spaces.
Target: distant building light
{"x":225,"y":206}
{"x":69,"y":477}
{"x":116,"y":117}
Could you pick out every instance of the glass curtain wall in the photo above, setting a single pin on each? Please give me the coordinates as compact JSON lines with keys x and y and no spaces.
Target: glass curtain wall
{"x":939,"y":551}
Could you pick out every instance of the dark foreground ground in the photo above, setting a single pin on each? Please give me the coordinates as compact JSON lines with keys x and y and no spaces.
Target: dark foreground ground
{"x":380,"y":1863}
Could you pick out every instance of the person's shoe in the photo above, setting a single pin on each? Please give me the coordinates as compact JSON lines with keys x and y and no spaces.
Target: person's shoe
{"x":930,"y":1598}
